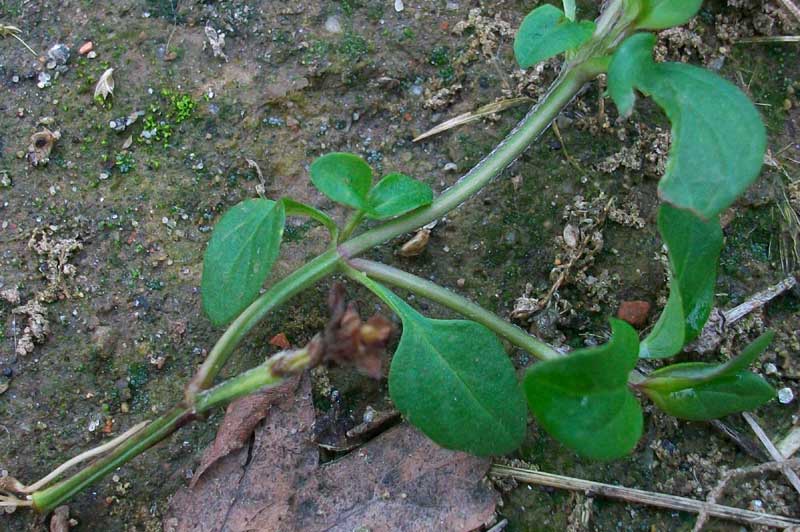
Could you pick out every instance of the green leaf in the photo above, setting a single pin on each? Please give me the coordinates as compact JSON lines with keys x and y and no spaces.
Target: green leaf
{"x":343,"y":177}
{"x":694,"y":246}
{"x":718,"y":140}
{"x":662,"y":14}
{"x":583,"y":399}
{"x":719,"y":397}
{"x":243,"y":247}
{"x":698,"y":391}
{"x":453,"y":380}
{"x":546,"y":32}
{"x":396,"y":194}
{"x":681,"y":376}
{"x":296,"y":208}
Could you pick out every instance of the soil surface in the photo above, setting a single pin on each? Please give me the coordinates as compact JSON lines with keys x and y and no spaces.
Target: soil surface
{"x":103,"y":244}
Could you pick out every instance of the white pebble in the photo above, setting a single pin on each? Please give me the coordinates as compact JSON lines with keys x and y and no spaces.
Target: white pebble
{"x":785,"y":395}
{"x":398,"y":5}
{"x":332,"y":25}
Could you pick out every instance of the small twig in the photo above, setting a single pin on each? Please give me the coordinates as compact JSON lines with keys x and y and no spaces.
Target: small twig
{"x":637,"y":496}
{"x":567,"y":156}
{"x":83,"y":457}
{"x":12,"y":31}
{"x":715,"y":494}
{"x":767,"y":40}
{"x":790,"y":443}
{"x":793,"y":9}
{"x":499,"y":527}
{"x":744,"y":443}
{"x":790,"y":475}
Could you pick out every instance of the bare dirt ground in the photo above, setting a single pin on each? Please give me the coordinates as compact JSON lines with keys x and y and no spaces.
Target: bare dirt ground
{"x":101,"y":248}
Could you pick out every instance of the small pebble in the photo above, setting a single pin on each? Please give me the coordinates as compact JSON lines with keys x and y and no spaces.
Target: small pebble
{"x":770,"y":368}
{"x":86,"y":47}
{"x":398,"y":6}
{"x":785,"y":396}
{"x":92,"y":54}
{"x":332,"y":25}
{"x":461,"y":282}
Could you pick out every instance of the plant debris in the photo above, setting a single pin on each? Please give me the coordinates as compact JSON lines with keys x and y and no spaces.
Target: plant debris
{"x":216,"y":39}
{"x":278,"y":483}
{"x":41,"y":145}
{"x":105,"y":85}
{"x":349,"y":341}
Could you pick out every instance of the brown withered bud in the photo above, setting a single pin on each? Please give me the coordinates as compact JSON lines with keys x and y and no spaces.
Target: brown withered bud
{"x":347,"y":340}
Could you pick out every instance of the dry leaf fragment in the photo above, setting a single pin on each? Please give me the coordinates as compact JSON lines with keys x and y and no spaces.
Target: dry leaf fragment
{"x":105,"y":86}
{"x":398,"y":481}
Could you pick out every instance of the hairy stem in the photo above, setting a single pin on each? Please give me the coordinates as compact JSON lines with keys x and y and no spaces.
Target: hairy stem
{"x":443,"y":296}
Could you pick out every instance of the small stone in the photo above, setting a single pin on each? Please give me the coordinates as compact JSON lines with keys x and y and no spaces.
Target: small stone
{"x":770,"y":368}
{"x":332,"y":25}
{"x":15,"y":79}
{"x":92,"y":54}
{"x":280,"y":340}
{"x":124,"y":408}
{"x":104,"y":340}
{"x":104,"y":175}
{"x":461,"y":282}
{"x":43,"y":80}
{"x":451,"y":167}
{"x":398,"y":6}
{"x":785,"y":396}
{"x":634,"y":312}
{"x":86,"y":47}
{"x":58,"y":54}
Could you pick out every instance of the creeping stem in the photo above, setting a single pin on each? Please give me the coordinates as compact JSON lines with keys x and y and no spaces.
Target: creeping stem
{"x":263,"y":376}
{"x":443,"y":296}
{"x":199,"y":398}
{"x":279,"y":293}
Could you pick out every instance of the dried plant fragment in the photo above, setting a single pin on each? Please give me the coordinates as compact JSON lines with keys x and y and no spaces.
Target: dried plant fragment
{"x":36,"y":329}
{"x":105,"y":86}
{"x":348,"y":340}
{"x":217,"y":41}
{"x":41,"y":145}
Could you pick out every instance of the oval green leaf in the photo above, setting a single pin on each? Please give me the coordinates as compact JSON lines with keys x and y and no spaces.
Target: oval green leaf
{"x":694,"y":246}
{"x":718,"y":140}
{"x":546,"y":32}
{"x":343,"y":177}
{"x":397,"y":194}
{"x":663,"y":14}
{"x":243,"y":247}
{"x":453,"y":380}
{"x":583,"y":399}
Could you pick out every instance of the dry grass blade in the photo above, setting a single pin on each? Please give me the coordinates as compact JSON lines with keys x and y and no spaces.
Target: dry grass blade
{"x":472,"y":116}
{"x":637,"y":496}
{"x":13,"y":31}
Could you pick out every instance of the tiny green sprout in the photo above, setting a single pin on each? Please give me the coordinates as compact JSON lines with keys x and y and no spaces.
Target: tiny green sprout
{"x":452,"y":378}
{"x":124,"y":162}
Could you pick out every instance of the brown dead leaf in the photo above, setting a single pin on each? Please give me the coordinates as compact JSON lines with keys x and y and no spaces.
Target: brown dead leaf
{"x":398,"y":481}
{"x":241,"y":418}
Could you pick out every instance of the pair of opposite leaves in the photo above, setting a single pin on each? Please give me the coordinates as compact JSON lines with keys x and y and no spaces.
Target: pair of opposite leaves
{"x":247,"y":239}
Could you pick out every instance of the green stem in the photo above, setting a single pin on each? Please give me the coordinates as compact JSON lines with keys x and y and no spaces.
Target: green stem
{"x":281,"y":291}
{"x":351,"y":225}
{"x":535,"y":122}
{"x":260,"y":377}
{"x":443,"y":296}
